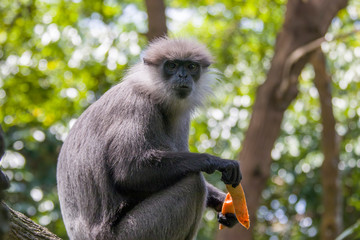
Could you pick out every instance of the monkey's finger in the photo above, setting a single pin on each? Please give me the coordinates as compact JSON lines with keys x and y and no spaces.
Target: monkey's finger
{"x":228,"y":176}
{"x":231,"y":174}
{"x":222,"y":219}
{"x":234,"y":175}
{"x":237,"y":174}
{"x":231,"y":218}
{"x":210,"y":170}
{"x":238,"y":178}
{"x":228,"y":219}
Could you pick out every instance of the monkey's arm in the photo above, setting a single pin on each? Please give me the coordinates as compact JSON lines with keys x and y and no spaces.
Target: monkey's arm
{"x":159,"y":169}
{"x":215,"y":200}
{"x":215,"y":197}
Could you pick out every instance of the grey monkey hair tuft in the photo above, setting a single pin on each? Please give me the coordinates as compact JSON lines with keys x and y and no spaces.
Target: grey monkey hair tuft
{"x":179,"y":48}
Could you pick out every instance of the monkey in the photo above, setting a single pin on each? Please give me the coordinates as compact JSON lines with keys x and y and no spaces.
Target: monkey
{"x":125,"y":170}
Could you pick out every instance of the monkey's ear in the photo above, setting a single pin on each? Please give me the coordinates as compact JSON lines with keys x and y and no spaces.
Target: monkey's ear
{"x":147,"y":61}
{"x":206,"y":64}
{"x":144,"y":59}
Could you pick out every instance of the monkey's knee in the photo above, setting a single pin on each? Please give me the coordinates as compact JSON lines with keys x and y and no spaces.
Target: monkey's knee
{"x":197,"y":182}
{"x":192,"y":190}
{"x":174,"y":212}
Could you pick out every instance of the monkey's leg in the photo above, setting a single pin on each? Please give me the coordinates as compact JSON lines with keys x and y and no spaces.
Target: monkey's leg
{"x":171,"y":214}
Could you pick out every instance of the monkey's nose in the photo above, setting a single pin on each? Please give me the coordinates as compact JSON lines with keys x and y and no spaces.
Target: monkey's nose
{"x":182,"y":75}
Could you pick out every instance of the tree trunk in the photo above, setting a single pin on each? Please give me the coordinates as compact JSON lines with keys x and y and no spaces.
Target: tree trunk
{"x":21,"y":227}
{"x":331,"y":221}
{"x":305,"y":21}
{"x":156,"y":19}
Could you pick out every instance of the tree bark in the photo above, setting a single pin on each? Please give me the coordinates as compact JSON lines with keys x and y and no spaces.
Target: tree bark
{"x":21,"y":227}
{"x":156,"y":19}
{"x":331,"y":221}
{"x":305,"y":21}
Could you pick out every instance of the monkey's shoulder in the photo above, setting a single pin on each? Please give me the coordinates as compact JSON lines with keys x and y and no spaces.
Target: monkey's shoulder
{"x":126,"y":119}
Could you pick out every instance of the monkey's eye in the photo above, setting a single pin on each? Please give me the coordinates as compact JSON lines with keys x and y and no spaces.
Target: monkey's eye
{"x":171,"y":65}
{"x":193,"y":67}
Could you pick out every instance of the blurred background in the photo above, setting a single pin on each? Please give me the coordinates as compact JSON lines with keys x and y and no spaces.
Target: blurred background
{"x":59,"y":56}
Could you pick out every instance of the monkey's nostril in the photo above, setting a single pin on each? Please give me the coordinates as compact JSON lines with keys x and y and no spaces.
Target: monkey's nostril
{"x":182,"y":75}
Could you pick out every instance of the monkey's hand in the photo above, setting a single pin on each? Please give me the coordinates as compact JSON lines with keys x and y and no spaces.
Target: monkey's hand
{"x":230,"y":169}
{"x":227,"y":219}
{"x":231,"y":174}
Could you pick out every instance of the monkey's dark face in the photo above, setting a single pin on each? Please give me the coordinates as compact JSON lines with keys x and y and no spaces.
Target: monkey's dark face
{"x":182,"y":75}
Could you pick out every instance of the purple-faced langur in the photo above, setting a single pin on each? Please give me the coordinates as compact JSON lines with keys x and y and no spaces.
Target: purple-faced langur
{"x":125,"y":171}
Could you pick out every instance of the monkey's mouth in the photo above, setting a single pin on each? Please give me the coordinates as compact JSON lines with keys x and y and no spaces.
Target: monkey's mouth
{"x":183,"y":91}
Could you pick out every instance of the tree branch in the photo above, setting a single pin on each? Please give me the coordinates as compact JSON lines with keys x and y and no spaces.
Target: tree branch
{"x":156,"y":19}
{"x":14,"y":225}
{"x":22,"y":227}
{"x":299,"y":53}
{"x":331,"y":221}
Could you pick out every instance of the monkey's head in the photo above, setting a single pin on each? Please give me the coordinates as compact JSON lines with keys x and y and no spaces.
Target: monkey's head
{"x":177,"y":71}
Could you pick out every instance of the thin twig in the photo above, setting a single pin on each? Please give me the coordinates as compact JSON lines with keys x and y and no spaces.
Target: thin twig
{"x":299,"y":53}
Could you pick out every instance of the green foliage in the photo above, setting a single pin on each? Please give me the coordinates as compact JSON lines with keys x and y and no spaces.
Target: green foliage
{"x":57,"y":57}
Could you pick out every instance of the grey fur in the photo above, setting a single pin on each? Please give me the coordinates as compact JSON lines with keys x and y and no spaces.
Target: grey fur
{"x":125,"y":172}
